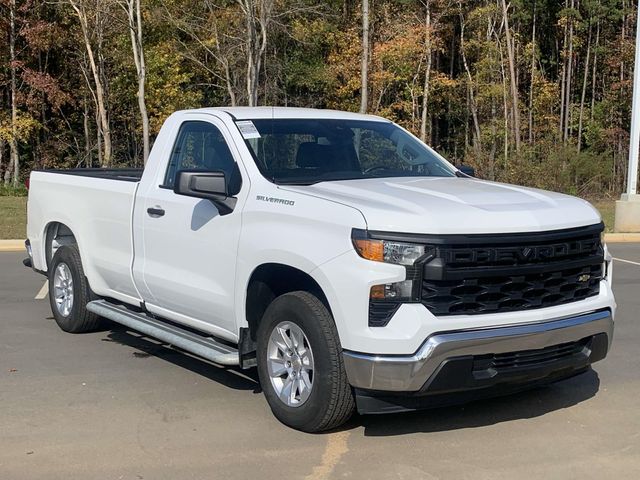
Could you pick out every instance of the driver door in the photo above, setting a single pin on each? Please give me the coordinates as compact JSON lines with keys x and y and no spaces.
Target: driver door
{"x":188,"y":248}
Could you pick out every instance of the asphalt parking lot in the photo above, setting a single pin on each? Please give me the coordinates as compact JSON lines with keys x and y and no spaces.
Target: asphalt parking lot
{"x":114,"y":405}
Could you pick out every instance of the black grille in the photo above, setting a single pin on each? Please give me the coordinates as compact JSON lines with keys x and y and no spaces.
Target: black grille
{"x":513,"y":272}
{"x":505,"y":362}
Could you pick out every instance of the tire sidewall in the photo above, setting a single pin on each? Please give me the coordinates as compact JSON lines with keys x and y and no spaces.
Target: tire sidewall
{"x":66,"y":255}
{"x":293,"y":310}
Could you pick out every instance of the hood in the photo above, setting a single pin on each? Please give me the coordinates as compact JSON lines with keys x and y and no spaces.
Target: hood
{"x":454,"y":205}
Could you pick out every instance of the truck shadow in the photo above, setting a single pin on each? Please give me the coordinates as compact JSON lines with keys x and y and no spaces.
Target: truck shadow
{"x":144,"y":347}
{"x":481,"y":413}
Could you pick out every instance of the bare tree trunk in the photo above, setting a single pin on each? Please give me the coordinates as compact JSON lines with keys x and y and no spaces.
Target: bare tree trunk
{"x":227,"y":71}
{"x":505,"y":107}
{"x":103,"y":116}
{"x":533,"y":73}
{"x":563,"y":79}
{"x":512,"y":74}
{"x":14,"y":161}
{"x":567,"y":97}
{"x":99,"y":141}
{"x":2,"y":142}
{"x":135,"y":30}
{"x":584,"y":88}
{"x":257,"y":16}
{"x":364,"y":69}
{"x":427,"y":74}
{"x":266,"y":7}
{"x":474,"y":108}
{"x":594,"y":68}
{"x":251,"y":72}
{"x":87,"y":135}
{"x":494,"y":134}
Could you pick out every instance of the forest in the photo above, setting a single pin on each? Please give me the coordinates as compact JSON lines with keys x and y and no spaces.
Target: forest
{"x":534,"y":92}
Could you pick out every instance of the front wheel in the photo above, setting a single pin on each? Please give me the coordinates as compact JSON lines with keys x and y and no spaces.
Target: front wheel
{"x":300,"y":364}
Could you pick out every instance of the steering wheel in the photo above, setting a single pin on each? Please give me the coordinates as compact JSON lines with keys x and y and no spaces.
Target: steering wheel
{"x":376,"y":167}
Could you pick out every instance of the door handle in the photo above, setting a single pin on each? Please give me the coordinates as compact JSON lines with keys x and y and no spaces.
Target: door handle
{"x":155,"y":212}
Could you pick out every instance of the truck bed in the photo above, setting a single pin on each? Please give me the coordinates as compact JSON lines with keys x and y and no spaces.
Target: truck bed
{"x":122,"y":174}
{"x":99,"y":215}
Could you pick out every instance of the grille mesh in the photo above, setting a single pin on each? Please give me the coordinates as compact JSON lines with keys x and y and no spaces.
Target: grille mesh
{"x":512,"y":292}
{"x":522,"y":274}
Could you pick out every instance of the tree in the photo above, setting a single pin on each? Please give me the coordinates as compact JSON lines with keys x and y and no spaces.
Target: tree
{"x":427,"y":71}
{"x":14,"y":161}
{"x":364,"y":69}
{"x":461,"y":75}
{"x":83,"y":9}
{"x":513,"y":79}
{"x":258,"y":16}
{"x":134,"y":17}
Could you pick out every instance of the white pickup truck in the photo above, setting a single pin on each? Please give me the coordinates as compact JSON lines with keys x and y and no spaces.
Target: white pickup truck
{"x":348,"y":261}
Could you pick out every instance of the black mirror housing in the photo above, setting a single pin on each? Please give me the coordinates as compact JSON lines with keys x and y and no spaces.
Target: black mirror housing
{"x":207,"y":185}
{"x":467,"y":170}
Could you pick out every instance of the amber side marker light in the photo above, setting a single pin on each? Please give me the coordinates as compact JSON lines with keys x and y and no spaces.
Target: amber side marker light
{"x":370,"y":249}
{"x":378,"y":292}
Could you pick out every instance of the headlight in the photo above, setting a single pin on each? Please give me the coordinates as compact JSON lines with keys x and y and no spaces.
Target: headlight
{"x":388,"y":251}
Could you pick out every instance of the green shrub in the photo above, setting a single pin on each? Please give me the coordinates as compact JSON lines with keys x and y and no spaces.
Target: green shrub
{"x":9,"y":191}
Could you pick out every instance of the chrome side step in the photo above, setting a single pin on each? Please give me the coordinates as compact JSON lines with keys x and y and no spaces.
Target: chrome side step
{"x":205,"y":347}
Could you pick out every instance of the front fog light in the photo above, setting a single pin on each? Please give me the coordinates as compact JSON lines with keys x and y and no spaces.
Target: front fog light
{"x":393,"y":291}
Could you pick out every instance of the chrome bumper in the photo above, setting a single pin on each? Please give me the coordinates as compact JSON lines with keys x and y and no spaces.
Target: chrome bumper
{"x":411,"y":373}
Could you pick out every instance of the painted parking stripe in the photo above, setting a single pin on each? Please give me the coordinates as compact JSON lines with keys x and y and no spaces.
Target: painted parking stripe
{"x":42,"y":294}
{"x":626,"y":261}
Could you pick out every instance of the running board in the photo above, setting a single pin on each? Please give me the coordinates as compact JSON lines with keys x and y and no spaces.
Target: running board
{"x":200,"y":345}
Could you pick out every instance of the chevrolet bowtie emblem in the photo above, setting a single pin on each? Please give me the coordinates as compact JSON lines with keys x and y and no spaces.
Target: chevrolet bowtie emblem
{"x":584,"y":277}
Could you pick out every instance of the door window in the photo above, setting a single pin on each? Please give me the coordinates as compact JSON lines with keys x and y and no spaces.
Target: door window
{"x":201,"y":146}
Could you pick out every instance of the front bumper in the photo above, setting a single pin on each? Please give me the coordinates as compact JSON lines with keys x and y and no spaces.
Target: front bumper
{"x":481,"y":358}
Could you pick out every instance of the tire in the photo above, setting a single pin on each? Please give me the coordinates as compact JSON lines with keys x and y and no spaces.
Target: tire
{"x":67,"y":276}
{"x":330,"y":402}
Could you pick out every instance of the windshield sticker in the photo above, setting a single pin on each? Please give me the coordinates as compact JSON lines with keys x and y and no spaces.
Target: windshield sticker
{"x":248,"y":129}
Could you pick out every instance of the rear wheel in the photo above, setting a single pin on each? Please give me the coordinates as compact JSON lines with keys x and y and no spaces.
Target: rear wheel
{"x":300,"y":364}
{"x":69,"y":292}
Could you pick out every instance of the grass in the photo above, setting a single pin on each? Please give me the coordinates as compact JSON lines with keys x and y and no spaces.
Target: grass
{"x":13,"y":216}
{"x":607,"y":209}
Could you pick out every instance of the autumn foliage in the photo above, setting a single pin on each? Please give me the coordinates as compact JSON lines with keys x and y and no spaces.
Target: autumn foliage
{"x":535,"y":92}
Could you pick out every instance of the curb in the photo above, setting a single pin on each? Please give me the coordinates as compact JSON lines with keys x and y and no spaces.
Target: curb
{"x":12,"y":246}
{"x":622,"y":237}
{"x":18,"y":245}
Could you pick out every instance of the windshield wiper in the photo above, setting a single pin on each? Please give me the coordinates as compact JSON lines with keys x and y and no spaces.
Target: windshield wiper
{"x":325,"y":177}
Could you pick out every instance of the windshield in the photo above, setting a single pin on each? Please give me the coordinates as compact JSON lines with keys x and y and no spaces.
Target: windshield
{"x":301,"y":151}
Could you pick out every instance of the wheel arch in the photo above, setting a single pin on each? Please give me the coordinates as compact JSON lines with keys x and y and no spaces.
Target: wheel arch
{"x":270,"y":280}
{"x":60,"y":233}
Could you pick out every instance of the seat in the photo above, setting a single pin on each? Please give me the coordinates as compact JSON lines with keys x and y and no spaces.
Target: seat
{"x":314,"y":155}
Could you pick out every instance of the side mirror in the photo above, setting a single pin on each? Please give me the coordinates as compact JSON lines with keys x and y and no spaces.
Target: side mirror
{"x":467,"y":170}
{"x":208,"y":185}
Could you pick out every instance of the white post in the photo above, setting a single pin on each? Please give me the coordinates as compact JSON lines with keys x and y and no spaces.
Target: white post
{"x":628,"y":207}
{"x":634,"y":146}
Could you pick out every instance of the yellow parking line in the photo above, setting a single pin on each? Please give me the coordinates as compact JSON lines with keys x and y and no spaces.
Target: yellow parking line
{"x":44,"y":291}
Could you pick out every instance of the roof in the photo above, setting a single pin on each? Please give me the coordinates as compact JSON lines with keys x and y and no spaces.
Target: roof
{"x":250,"y":113}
